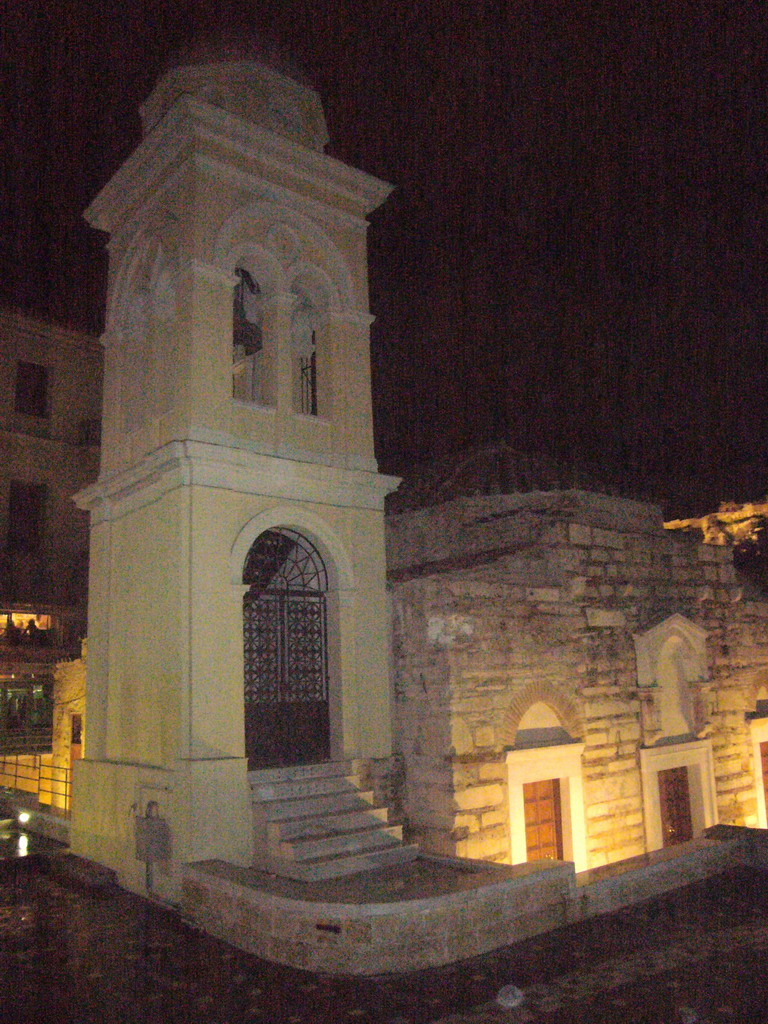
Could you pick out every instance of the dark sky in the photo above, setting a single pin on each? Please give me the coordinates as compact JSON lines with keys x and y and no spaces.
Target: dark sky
{"x":574,"y":261}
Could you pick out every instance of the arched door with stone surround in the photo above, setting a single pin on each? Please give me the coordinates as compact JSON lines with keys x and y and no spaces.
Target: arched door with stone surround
{"x":285,"y":651}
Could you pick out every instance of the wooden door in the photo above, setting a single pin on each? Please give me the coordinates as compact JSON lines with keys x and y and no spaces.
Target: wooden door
{"x":543,"y":821}
{"x":675,"y":806}
{"x":764,"y":768}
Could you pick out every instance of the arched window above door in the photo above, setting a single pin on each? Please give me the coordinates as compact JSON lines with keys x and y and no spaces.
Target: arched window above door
{"x":284,"y":559}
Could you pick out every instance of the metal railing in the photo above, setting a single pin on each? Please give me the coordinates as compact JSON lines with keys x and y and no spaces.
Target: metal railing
{"x":40,"y":777}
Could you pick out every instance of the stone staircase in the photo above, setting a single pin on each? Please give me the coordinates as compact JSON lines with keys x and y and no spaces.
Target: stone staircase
{"x":315,"y":821}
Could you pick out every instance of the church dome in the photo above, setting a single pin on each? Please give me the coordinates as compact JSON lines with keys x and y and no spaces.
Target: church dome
{"x":243,"y":77}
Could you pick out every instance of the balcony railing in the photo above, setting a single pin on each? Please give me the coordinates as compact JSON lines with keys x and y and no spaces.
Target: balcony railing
{"x":40,"y":776}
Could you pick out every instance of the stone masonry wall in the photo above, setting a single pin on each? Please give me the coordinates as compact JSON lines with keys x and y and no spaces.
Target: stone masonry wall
{"x":505,"y":601}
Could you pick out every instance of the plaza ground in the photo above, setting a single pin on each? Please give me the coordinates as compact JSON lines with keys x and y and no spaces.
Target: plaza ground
{"x":75,"y":953}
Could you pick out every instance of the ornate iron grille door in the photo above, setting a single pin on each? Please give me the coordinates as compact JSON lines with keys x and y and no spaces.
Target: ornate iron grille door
{"x":285,"y":647}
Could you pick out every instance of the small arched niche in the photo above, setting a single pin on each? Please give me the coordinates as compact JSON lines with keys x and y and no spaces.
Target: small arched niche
{"x":674,"y":673}
{"x":676,"y":759}
{"x":672,"y":678}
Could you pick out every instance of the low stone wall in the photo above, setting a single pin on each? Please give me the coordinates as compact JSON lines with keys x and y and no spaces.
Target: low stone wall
{"x":506,"y":906}
{"x":373,"y":938}
{"x":606,"y":890}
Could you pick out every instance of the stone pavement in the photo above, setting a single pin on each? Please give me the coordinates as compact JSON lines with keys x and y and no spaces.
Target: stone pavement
{"x":72,"y":954}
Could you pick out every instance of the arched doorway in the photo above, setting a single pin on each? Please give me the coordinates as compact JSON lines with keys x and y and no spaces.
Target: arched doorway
{"x":545,"y":789}
{"x":286,"y":651}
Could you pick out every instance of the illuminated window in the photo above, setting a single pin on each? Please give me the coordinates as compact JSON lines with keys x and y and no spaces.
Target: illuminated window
{"x":31,"y":390}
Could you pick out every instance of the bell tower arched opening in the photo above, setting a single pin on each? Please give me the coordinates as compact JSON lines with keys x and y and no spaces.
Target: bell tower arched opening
{"x":247,"y":325}
{"x":285,"y":638}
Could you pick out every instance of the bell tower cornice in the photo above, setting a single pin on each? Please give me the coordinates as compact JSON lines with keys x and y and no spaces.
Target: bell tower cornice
{"x":193,"y":131}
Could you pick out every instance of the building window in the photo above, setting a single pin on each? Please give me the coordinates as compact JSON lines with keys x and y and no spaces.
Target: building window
{"x":26,"y":508}
{"x":31,"y":390}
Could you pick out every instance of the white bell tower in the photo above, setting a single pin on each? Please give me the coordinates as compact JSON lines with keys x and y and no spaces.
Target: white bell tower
{"x":237,"y":429}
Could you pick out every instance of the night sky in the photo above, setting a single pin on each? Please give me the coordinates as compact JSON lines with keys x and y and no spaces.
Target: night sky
{"x":573,"y":262}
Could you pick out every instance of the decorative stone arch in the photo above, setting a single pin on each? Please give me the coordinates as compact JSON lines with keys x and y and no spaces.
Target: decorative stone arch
{"x":341,"y":575}
{"x":756,"y":690}
{"x":675,"y":716}
{"x":673,"y":680}
{"x":142,"y":309}
{"x":262,"y":264}
{"x":162,"y":284}
{"x":141,"y":266}
{"x":258,"y":223}
{"x":557,"y":763}
{"x":339,"y":594}
{"x":313,"y":281}
{"x":536,"y":693}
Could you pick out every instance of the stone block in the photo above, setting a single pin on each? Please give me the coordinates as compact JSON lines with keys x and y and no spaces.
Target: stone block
{"x":600,"y":556}
{"x":596,"y":739}
{"x":484,"y":736}
{"x":622,"y":764}
{"x":491,"y":818}
{"x":467,"y":821}
{"x":492,"y":771}
{"x":543,"y":594}
{"x":580,"y":535}
{"x":605,"y":618}
{"x":597,"y":810}
{"x":475,"y":797}
{"x":607,"y":538}
{"x":568,"y":559}
{"x":461,"y":737}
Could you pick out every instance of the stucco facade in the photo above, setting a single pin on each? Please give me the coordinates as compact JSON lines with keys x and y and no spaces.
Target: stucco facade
{"x":50,"y":405}
{"x":229,"y":187}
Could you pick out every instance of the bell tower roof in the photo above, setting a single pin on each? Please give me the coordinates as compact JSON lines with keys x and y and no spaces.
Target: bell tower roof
{"x":242,"y":78}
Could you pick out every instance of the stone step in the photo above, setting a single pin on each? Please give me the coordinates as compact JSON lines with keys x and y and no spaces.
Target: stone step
{"x":337,"y":867}
{"x":306,"y":786}
{"x":292,"y":772}
{"x":304,"y":807}
{"x":334,"y":823}
{"x":371,"y":838}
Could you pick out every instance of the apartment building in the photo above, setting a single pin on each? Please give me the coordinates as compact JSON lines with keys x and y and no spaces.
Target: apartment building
{"x":50,"y":409}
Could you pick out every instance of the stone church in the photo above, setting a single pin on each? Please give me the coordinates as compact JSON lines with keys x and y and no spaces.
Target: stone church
{"x":551,"y":675}
{"x":572,"y":679}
